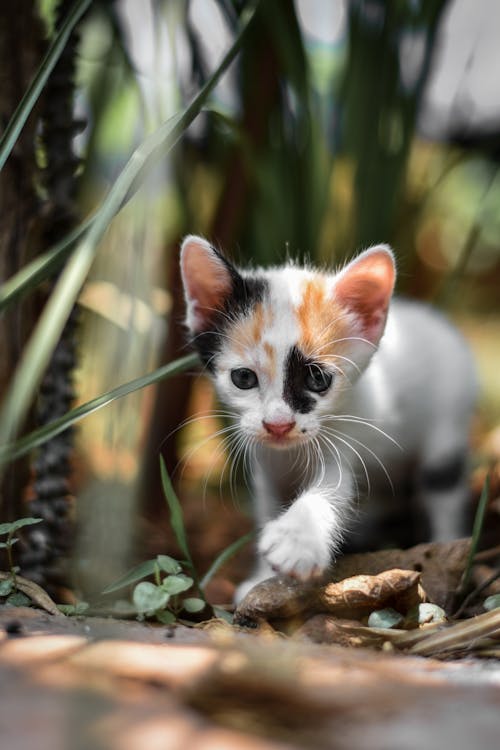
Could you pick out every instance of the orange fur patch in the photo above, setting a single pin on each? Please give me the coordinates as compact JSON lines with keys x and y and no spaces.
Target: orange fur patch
{"x":322,"y":321}
{"x":247,"y":333}
{"x":271,"y":359}
{"x":247,"y":340}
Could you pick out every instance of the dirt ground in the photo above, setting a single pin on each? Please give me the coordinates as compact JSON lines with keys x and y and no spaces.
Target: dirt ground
{"x":101,"y":683}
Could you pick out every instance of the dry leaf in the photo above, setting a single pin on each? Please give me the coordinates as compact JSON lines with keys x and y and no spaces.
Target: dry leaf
{"x":351,"y":598}
{"x":440,"y":563}
{"x":37,"y":595}
{"x":363,"y":593}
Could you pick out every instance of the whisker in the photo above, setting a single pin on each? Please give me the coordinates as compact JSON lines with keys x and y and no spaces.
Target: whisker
{"x":221,"y":447}
{"x":335,"y":453}
{"x":321,"y":458}
{"x":184,"y":460}
{"x":356,"y":452}
{"x":232,"y":460}
{"x":326,"y":357}
{"x":348,"y":338}
{"x":337,"y":433}
{"x":211,"y":414}
{"x":359,"y":420}
{"x":248,"y":460}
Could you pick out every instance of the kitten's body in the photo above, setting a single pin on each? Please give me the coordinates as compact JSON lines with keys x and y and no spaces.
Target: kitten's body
{"x":396,"y":406}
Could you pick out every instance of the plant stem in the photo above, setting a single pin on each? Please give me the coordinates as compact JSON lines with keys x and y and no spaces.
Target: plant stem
{"x":476,"y":533}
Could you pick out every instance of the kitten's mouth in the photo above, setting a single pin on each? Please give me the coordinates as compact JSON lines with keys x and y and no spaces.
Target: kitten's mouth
{"x":283,"y":441}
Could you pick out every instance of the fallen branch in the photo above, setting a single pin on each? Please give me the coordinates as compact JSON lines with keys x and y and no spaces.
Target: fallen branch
{"x":35,"y":592}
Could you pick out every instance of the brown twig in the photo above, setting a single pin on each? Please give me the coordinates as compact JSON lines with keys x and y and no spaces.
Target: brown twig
{"x":461,"y":635}
{"x":487,"y":554}
{"x":34,"y":592}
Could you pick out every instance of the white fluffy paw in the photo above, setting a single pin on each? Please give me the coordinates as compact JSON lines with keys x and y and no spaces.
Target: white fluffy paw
{"x":296,"y":544}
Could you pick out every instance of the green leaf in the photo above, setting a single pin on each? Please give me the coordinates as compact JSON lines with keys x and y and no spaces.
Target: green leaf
{"x":25,"y":106}
{"x":6,"y":586}
{"x":46,"y":334}
{"x":492,"y":602}
{"x":140,"y":571}
{"x":385,"y":618}
{"x":224,"y":556}
{"x":168,"y":564}
{"x":41,"y":267}
{"x":50,"y":430}
{"x":148,"y":598}
{"x":166,"y":617}
{"x":176,"y":519}
{"x":6,"y":545}
{"x":193,"y":604}
{"x":73,"y":609}
{"x":9,"y":528}
{"x":18,"y":599}
{"x":176,"y":584}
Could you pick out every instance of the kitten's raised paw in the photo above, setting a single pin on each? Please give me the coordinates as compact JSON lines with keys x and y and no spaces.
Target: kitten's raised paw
{"x":293,"y":549}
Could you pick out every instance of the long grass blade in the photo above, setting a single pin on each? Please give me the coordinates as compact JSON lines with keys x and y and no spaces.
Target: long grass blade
{"x":476,"y":533}
{"x":25,"y":106}
{"x":41,"y":267}
{"x":176,"y":519}
{"x":50,"y":430}
{"x":224,"y":556}
{"x":49,"y":328}
{"x":140,"y":571}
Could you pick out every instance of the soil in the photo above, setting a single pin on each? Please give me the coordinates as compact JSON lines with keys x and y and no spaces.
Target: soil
{"x":89,"y":682}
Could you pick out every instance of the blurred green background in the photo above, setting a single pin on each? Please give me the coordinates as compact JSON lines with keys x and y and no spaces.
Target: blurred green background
{"x":341,"y":123}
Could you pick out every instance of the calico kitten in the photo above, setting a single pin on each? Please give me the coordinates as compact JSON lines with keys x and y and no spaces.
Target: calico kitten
{"x":337,"y":392}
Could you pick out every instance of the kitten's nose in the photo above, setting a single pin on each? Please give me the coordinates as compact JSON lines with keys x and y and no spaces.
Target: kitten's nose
{"x":278,"y":429}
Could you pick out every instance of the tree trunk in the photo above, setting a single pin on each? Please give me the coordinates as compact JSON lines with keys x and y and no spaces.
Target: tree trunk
{"x":21,"y":48}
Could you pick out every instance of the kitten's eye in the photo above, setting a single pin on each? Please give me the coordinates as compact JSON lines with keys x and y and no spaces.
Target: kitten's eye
{"x":317,"y":379}
{"x":244,"y":378}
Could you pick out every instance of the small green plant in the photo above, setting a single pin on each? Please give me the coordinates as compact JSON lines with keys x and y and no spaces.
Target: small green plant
{"x":8,"y":585}
{"x":161,"y":599}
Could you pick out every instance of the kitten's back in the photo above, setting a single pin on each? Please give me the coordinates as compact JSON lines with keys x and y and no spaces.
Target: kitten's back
{"x":428,"y":372}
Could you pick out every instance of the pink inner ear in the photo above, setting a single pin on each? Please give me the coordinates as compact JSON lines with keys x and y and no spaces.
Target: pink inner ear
{"x":207,"y":281}
{"x":365,"y":288}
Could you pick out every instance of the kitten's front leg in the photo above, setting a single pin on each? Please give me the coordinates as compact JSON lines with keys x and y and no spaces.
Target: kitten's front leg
{"x":301,"y":541}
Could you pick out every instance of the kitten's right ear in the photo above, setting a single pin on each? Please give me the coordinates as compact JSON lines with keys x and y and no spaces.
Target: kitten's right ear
{"x":207,"y":282}
{"x":365,"y":287}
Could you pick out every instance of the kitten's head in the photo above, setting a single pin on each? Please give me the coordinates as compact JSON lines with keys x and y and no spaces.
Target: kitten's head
{"x":284,"y":345}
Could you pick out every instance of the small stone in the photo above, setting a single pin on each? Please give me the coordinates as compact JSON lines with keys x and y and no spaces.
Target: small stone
{"x":492,"y":602}
{"x":385,"y":618}
{"x":430,"y":613}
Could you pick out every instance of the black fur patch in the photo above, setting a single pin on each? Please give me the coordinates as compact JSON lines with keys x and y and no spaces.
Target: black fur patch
{"x":445,"y":476}
{"x":245,"y":294}
{"x":295,"y":392}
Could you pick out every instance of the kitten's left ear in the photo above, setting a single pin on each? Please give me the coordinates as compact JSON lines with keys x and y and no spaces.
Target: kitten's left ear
{"x":365,"y":287}
{"x":207,"y":280}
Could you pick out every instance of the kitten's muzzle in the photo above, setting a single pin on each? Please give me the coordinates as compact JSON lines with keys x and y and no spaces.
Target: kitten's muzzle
{"x":278,"y":429}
